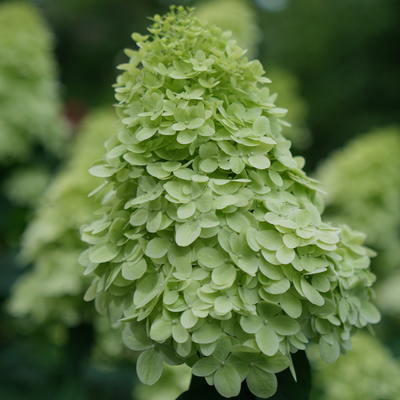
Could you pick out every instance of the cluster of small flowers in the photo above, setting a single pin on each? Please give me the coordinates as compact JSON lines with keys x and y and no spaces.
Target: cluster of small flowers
{"x":211,"y":246}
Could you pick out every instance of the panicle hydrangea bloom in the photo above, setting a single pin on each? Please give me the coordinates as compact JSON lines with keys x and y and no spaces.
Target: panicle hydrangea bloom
{"x":368,"y":372}
{"x":364,"y":191}
{"x":210,"y":246}
{"x":237,"y":16}
{"x":51,"y":290}
{"x":30,"y":106}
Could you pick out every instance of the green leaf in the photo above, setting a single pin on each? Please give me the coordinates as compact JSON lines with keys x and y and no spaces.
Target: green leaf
{"x":227,"y":381}
{"x":210,"y":257}
{"x":149,"y":366}
{"x":187,"y":233}
{"x":262,"y":384}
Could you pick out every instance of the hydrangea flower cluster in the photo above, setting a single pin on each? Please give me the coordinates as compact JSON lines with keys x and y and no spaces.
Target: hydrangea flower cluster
{"x":364,"y":190}
{"x":30,"y":106}
{"x":237,"y":16}
{"x":368,"y":372}
{"x":210,"y":246}
{"x":52,"y":290}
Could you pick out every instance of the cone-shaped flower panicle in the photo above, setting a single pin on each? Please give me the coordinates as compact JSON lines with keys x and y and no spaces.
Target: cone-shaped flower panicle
{"x":211,"y":246}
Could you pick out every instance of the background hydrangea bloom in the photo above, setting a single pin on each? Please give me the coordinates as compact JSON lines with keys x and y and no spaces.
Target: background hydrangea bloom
{"x":368,"y":372}
{"x":211,"y":246}
{"x":30,"y":106}
{"x":52,"y":289}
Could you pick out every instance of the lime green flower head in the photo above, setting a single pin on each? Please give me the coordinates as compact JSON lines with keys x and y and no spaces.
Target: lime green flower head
{"x":30,"y":101}
{"x":211,"y":246}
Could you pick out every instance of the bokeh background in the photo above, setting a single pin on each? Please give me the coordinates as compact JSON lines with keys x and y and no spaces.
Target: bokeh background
{"x":336,"y":67}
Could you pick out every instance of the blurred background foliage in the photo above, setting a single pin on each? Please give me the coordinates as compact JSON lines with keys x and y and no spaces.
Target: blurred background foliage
{"x":335,"y":67}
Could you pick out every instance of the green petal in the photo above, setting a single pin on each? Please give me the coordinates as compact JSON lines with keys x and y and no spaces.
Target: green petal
{"x":311,"y":293}
{"x":269,"y":239}
{"x":267,"y":340}
{"x":210,"y":257}
{"x":205,"y":366}
{"x":251,"y":323}
{"x":186,"y":210}
{"x":284,"y":325}
{"x":274,"y":364}
{"x":259,"y":162}
{"x":224,"y":274}
{"x":134,"y":270}
{"x":188,"y":319}
{"x":222,"y":305}
{"x":227,"y":381}
{"x":329,"y":352}
{"x":208,"y":333}
{"x":261,"y":126}
{"x":285,"y":255}
{"x":157,"y":248}
{"x":179,"y":333}
{"x":135,"y":337}
{"x":149,"y":366}
{"x":291,"y":305}
{"x":369,"y":312}
{"x":187,"y":233}
{"x":261,"y":384}
{"x":103,"y":253}
{"x":161,"y":330}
